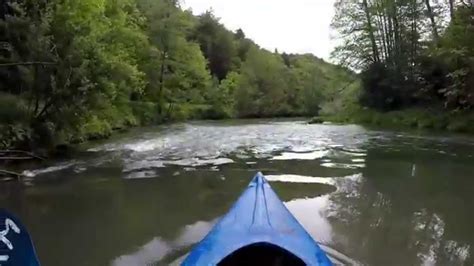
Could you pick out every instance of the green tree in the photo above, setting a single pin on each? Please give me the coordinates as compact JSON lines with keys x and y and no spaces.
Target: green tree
{"x":263,"y":87}
{"x":457,"y":50}
{"x":217,"y":44}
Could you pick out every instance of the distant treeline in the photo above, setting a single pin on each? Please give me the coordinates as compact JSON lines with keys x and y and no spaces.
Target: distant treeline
{"x":74,"y":70}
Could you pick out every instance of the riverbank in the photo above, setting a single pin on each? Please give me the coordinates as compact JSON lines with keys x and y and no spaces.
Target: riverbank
{"x":48,"y":140}
{"x":426,"y":119}
{"x":23,"y":143}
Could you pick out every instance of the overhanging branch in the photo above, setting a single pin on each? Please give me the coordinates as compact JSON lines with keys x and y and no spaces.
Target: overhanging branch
{"x":27,"y":63}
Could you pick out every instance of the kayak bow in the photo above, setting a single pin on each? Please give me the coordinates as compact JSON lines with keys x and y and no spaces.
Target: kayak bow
{"x":258,"y":226}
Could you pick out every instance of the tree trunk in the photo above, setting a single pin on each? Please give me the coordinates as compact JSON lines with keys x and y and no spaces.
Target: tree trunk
{"x":370,"y":28}
{"x":396,"y":35}
{"x":382,"y":30}
{"x":386,"y":35}
{"x":432,"y":20}
{"x":389,"y":34}
{"x":414,"y":37}
{"x":162,"y":83}
{"x":451,"y":8}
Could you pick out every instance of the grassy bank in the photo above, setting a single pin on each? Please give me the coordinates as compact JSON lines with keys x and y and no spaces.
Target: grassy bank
{"x":428,"y":119}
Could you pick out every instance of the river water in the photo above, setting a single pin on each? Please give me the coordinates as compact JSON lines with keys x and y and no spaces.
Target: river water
{"x":145,"y":197}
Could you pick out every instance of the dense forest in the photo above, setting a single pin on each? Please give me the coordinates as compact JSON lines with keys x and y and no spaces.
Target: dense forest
{"x":77,"y":70}
{"x":416,"y":59}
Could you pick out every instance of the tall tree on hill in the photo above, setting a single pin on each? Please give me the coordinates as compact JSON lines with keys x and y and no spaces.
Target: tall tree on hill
{"x":217,"y":44}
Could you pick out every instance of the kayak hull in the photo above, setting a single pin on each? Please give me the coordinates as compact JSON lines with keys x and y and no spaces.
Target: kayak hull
{"x":257,"y":219}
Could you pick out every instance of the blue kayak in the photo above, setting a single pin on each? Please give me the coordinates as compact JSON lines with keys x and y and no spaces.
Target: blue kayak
{"x":16,"y":248}
{"x":258,"y":230}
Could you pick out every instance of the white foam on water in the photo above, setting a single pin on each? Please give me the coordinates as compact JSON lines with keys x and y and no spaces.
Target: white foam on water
{"x":199,"y":162}
{"x":459,"y":252}
{"x":300,"y":179}
{"x":355,"y":178}
{"x":137,"y":146}
{"x":134,"y":165}
{"x":343,"y":165}
{"x":141,"y":175}
{"x":79,"y":169}
{"x":301,"y":155}
{"x":33,"y":173}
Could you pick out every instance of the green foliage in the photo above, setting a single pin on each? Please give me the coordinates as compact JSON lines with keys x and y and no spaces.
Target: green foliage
{"x":146,"y":113}
{"x":384,"y":88}
{"x":185,"y":111}
{"x":221,"y":97}
{"x":95,"y":128}
{"x":413,"y":118}
{"x":77,"y":70}
{"x":309,"y":84}
{"x":189,"y":80}
{"x":263,"y":85}
{"x":457,"y":51}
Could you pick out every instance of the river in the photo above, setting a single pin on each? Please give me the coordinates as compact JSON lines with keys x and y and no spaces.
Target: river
{"x":146,"y":196}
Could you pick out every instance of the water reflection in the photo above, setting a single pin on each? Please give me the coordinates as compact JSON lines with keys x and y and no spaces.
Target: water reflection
{"x":157,"y":249}
{"x":419,"y":213}
{"x":311,"y":214}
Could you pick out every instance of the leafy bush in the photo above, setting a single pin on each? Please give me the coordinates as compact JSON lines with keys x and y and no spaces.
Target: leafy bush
{"x":95,"y":128}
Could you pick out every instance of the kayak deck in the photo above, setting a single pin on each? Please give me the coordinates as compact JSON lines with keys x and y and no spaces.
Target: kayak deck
{"x":257,"y":227}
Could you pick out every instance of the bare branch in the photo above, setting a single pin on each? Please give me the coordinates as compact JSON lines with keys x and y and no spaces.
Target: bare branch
{"x":27,"y":64}
{"x":9,"y":154}
{"x":10,"y":173}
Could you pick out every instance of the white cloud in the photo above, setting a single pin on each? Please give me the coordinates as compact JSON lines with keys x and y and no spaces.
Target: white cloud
{"x":292,"y":26}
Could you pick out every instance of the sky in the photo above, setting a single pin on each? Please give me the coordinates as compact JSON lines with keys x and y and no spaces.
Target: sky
{"x":291,"y":26}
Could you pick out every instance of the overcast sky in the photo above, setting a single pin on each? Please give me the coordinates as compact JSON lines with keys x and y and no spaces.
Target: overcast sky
{"x":292,"y":26}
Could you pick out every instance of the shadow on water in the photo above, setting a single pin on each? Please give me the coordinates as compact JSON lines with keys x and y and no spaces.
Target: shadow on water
{"x":144,"y":198}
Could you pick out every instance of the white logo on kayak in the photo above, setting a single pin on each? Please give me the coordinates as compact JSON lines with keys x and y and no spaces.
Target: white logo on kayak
{"x":9,"y":224}
{"x":3,"y":258}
